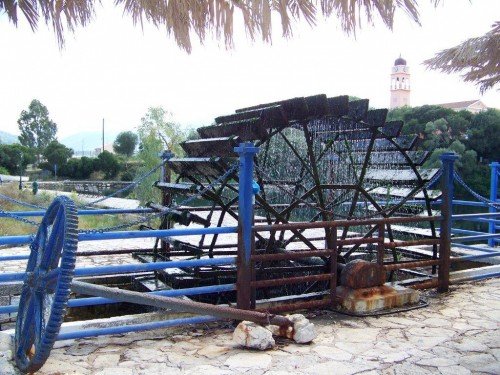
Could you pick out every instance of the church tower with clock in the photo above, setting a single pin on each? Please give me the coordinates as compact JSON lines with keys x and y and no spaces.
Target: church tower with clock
{"x":400,"y":84}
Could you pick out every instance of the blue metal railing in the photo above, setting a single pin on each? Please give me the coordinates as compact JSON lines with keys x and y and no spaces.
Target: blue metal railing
{"x":246,"y":152}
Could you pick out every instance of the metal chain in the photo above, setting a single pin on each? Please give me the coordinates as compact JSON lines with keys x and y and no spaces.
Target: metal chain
{"x":34,"y":223}
{"x":479,"y":197}
{"x":167,"y":211}
{"x":224,"y":177}
{"x":128,"y":187}
{"x":434,"y":179}
{"x":4,"y":197}
{"x":19,"y":218}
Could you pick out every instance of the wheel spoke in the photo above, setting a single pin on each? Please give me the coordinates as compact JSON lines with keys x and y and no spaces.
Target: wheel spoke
{"x":53,"y":247}
{"x":26,"y":336}
{"x":37,"y":246}
{"x":39,"y":317}
{"x":50,"y":280}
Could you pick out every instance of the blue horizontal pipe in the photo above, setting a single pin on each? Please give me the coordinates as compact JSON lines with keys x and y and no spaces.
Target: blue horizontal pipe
{"x":6,"y":258}
{"x":23,"y":213}
{"x":9,"y":309}
{"x":476,"y":238}
{"x":15,"y":240}
{"x":91,"y":301}
{"x":154,"y":233}
{"x":97,"y":236}
{"x":483,"y":215}
{"x":478,"y":248}
{"x":135,"y":327}
{"x":124,"y":268}
{"x":480,"y":256}
{"x":459,"y":202}
{"x":103,"y":211}
{"x":466,"y":231}
{"x":475,"y":277}
{"x":480,"y":220}
{"x":10,"y":277}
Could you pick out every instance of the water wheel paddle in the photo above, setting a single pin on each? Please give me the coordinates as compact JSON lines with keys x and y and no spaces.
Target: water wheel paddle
{"x":320,"y":159}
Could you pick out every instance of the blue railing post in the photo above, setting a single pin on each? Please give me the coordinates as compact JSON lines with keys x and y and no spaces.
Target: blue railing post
{"x":493,"y":198}
{"x":246,"y":241}
{"x":448,"y":159}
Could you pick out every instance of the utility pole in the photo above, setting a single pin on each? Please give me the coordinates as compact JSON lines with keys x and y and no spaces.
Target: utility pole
{"x":102,"y":136}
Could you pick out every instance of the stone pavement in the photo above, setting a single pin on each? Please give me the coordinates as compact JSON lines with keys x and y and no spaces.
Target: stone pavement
{"x":458,"y":333}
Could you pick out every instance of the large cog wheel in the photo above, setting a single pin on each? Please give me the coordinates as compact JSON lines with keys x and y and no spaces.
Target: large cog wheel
{"x":47,"y":285}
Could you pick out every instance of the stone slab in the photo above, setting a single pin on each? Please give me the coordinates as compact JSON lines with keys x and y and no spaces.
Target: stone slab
{"x":368,"y":300}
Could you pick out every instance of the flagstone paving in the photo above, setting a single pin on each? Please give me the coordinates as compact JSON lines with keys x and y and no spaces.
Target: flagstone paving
{"x":458,"y":333}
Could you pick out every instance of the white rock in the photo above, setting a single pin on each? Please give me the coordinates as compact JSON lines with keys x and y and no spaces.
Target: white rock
{"x":303,"y":330}
{"x":252,"y":335}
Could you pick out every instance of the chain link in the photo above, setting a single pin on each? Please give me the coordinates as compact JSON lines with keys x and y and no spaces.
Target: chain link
{"x":434,"y":179}
{"x":4,"y":197}
{"x":479,"y":197}
{"x":128,"y":187}
{"x":149,"y":217}
{"x":19,"y":218}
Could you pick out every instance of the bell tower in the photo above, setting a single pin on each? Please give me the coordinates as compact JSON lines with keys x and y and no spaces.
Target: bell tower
{"x":400,"y":84}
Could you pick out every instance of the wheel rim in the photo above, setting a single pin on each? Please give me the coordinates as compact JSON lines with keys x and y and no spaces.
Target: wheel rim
{"x":328,"y":160}
{"x":47,"y":284}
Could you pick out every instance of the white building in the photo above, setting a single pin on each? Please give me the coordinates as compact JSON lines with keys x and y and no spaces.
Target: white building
{"x":400,"y":84}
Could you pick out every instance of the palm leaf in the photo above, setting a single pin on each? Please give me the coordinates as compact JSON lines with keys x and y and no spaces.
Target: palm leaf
{"x":183,"y":18}
{"x":478,"y":59}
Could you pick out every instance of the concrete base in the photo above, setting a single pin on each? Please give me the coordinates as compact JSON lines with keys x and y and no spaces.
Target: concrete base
{"x":368,"y":300}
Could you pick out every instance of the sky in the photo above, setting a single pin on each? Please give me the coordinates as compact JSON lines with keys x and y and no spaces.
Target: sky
{"x":115,"y":71}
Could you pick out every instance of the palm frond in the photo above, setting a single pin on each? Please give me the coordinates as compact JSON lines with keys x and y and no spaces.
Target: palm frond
{"x":183,"y":18}
{"x":478,"y":59}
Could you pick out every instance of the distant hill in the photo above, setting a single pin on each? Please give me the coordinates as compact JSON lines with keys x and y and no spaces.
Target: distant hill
{"x":7,"y":138}
{"x":87,"y":141}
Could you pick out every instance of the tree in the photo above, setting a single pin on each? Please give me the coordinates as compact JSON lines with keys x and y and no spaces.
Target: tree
{"x":484,"y":134}
{"x":425,"y":120}
{"x":57,"y":154}
{"x":80,"y":168}
{"x":468,"y":135}
{"x":12,"y":155}
{"x":37,"y":130}
{"x":125,"y":144}
{"x":215,"y":16}
{"x":157,"y":133}
{"x":108,"y":163}
{"x":158,"y":123}
{"x":437,"y":134}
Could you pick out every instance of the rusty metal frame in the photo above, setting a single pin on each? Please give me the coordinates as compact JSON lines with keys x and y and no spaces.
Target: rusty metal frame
{"x":333,"y":244}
